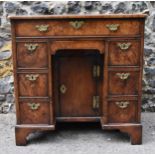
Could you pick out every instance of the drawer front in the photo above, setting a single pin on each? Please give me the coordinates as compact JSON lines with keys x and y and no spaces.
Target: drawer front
{"x":113,"y":27}
{"x":32,"y":55}
{"x":123,"y":82}
{"x":34,"y":112}
{"x":122,"y":111}
{"x":33,"y":84}
{"x":124,"y":52}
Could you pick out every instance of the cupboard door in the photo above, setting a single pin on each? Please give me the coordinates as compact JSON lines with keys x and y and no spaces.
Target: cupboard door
{"x":77,"y":87}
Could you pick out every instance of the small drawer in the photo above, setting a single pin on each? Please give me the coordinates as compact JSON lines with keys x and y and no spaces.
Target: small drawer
{"x":122,"y":111}
{"x":123,"y":82}
{"x":32,"y":55}
{"x":124,"y":52}
{"x":34,"y":112}
{"x":77,"y":27}
{"x":33,"y":84}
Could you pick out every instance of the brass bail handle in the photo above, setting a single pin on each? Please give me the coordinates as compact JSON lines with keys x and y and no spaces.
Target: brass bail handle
{"x":34,"y":106}
{"x":42,"y":28}
{"x":76,"y":24}
{"x":113,"y":27}
{"x":122,"y":104}
{"x":124,"y":46}
{"x":32,"y":77}
{"x":31,"y":47}
{"x":123,"y":76}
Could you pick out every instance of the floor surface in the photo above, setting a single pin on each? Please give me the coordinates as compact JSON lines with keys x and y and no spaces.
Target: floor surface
{"x":76,"y":138}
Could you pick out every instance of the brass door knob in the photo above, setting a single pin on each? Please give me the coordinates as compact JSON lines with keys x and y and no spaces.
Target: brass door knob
{"x":63,"y":89}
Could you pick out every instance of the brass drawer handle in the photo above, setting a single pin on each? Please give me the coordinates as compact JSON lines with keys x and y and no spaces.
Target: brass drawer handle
{"x":76,"y":24}
{"x":124,"y":46}
{"x":34,"y":106}
{"x":122,"y":104}
{"x":113,"y":27}
{"x":31,"y":47}
{"x":123,"y":76}
{"x":32,"y":77}
{"x":63,"y":89}
{"x":42,"y":28}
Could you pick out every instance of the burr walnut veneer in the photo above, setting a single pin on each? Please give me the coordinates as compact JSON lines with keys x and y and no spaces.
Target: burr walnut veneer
{"x":78,"y":69}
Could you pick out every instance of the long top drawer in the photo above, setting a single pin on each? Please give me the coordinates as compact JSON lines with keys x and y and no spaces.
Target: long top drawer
{"x":77,"y":28}
{"x":46,"y":26}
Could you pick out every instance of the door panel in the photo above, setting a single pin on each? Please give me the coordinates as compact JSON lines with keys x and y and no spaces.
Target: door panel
{"x":76,"y":85}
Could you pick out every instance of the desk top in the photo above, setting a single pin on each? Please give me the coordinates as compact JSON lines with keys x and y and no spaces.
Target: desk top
{"x":105,"y":16}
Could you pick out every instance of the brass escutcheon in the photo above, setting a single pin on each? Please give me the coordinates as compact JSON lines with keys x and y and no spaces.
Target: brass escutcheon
{"x":122,"y":104}
{"x":42,"y":28}
{"x":124,"y":46}
{"x":76,"y":24}
{"x":34,"y":106}
{"x":63,"y":89}
{"x":113,"y":27}
{"x":31,"y":47}
{"x":32,"y":77}
{"x":123,"y":76}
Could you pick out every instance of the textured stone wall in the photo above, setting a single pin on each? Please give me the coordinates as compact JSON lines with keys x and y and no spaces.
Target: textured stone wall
{"x":74,"y":7}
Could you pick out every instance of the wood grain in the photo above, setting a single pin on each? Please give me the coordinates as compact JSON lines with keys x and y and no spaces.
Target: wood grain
{"x":117,"y":86}
{"x":128,"y":57}
{"x":118,"y":115}
{"x":39,"y":116}
{"x":66,"y":55}
{"x":90,"y":27}
{"x":73,"y":69}
{"x":36,"y":59}
{"x":29,"y":88}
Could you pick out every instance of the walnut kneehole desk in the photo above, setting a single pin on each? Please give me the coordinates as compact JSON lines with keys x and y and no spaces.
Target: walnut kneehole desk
{"x":85,"y":68}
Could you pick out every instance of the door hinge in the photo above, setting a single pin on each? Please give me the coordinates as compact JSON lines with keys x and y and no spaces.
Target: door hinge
{"x":96,"y":71}
{"x":96,"y":102}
